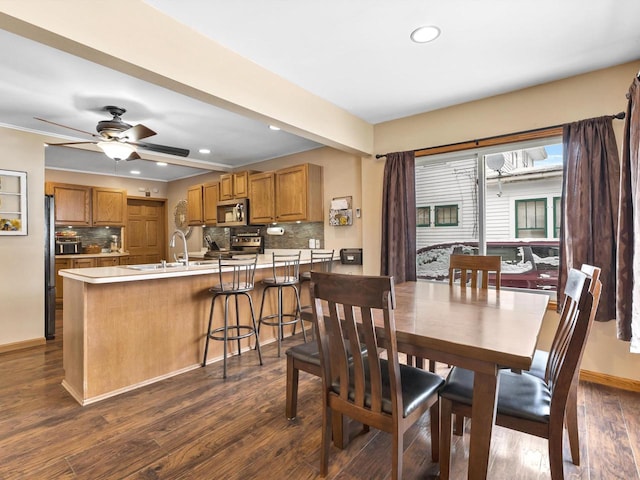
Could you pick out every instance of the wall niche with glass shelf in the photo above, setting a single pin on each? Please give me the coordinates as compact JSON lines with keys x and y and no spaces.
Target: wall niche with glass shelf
{"x":13,"y":202}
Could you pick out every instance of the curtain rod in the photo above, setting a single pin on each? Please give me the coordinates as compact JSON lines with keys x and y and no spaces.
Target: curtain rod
{"x":618,"y":116}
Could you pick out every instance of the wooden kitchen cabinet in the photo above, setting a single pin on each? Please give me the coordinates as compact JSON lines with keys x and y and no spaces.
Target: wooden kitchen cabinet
{"x":262,"y":198}
{"x":61,"y":264}
{"x":195,"y":210}
{"x":210,"y":198}
{"x":107,"y":261}
{"x":234,"y":185}
{"x":72,"y":203}
{"x":298,"y":193}
{"x":109,"y":206}
{"x":84,"y":262}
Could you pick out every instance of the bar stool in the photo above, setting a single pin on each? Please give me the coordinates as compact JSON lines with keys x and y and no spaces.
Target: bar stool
{"x":289,"y":265}
{"x":239,"y":273}
{"x":321,"y":261}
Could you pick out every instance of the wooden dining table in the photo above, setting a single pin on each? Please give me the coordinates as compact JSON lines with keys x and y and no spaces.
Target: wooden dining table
{"x":480,"y":330}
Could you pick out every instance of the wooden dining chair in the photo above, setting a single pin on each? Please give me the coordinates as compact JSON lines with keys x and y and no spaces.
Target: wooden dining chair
{"x":371,"y":387}
{"x":540,"y":370}
{"x":525,"y":402}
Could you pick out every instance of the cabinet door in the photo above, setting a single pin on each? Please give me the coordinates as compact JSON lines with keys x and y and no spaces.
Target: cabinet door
{"x":226,"y":186}
{"x":109,"y":206}
{"x":61,"y":264}
{"x":210,"y":196}
{"x":261,"y":198}
{"x":195,"y":214}
{"x":291,"y":194}
{"x":72,"y":204}
{"x":241,"y":184}
{"x":108,"y":261}
{"x":84,"y":262}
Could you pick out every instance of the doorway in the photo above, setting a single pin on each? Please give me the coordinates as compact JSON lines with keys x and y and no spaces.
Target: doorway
{"x":146,"y":230}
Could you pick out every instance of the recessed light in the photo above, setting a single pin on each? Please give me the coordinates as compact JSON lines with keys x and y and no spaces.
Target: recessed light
{"x":273,"y":127}
{"x":425,"y":34}
{"x":161,"y":164}
{"x":135,"y":172}
{"x":204,"y":151}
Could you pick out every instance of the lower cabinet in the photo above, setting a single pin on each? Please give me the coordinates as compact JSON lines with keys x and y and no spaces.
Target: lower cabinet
{"x":84,"y":262}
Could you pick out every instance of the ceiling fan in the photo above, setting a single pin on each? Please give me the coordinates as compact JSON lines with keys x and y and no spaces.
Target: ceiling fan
{"x":118,"y":139}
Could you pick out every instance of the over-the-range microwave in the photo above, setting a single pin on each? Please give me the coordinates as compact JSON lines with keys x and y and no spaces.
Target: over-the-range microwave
{"x":233,"y":213}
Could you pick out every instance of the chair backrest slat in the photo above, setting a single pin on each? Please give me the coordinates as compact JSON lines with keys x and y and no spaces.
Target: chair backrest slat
{"x":286,"y":266}
{"x":470,"y":266}
{"x":321,"y":260}
{"x":242,"y":269}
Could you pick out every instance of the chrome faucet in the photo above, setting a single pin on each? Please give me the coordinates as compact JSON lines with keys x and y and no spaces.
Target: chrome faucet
{"x":172,"y":244}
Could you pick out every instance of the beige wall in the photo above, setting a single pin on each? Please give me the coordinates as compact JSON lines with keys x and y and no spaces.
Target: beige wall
{"x":22,"y":257}
{"x":584,"y":96}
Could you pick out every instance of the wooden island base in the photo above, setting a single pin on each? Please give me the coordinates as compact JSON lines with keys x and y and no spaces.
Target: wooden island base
{"x":123,"y":335}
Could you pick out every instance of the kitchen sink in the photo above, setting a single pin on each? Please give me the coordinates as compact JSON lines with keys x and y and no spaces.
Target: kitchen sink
{"x":155,"y":266}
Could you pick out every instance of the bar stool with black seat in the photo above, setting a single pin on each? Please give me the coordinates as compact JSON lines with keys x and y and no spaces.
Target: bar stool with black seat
{"x":287,"y":277}
{"x":321,"y":261}
{"x":236,"y":278}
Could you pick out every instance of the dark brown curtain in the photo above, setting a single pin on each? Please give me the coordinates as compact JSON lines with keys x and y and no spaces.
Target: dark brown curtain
{"x":628,"y":297}
{"x":399,"y":217}
{"x":590,"y":205}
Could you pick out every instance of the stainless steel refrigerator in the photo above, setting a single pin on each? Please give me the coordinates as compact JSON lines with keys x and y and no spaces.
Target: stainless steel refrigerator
{"x":49,"y":268}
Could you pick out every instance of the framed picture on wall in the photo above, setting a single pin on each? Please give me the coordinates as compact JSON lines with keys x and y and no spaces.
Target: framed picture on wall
{"x":13,"y":202}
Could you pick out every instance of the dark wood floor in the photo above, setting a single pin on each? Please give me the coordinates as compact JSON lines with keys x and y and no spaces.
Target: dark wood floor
{"x":199,"y":426}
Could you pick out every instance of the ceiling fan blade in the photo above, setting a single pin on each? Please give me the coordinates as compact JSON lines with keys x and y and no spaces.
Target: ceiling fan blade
{"x":178,"y":152}
{"x":134,"y":156}
{"x":69,"y":143}
{"x":137,"y":132}
{"x":70,"y":128}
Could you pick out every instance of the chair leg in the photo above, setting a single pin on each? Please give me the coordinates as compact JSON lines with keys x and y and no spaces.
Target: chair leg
{"x":555,"y":452}
{"x":226,"y":333}
{"x":280,"y":325}
{"x":206,"y":344}
{"x":255,"y":327}
{"x":238,"y":324}
{"x":298,"y":313}
{"x":458,"y":428}
{"x":291,"y":408}
{"x":571,"y":419}
{"x":445,"y":438}
{"x":396,"y":455}
{"x":340,"y":430}
{"x":434,"y":421}
{"x":264,"y":294}
{"x":326,"y":438}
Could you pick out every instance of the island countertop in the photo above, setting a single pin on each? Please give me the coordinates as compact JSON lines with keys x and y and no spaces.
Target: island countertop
{"x":129,"y":273}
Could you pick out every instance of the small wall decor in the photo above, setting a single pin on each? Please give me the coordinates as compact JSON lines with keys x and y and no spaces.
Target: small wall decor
{"x":341,"y":213}
{"x":13,"y":202}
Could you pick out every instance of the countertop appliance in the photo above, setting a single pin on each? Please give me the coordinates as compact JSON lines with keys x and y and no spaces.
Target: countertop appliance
{"x":49,"y":268}
{"x":247,"y":243}
{"x":67,"y":245}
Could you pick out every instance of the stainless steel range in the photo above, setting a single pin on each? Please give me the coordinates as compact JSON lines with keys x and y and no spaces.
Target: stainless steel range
{"x":247,"y":243}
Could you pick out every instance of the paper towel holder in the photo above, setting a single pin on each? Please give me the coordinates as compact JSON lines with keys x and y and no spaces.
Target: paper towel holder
{"x":275,"y":231}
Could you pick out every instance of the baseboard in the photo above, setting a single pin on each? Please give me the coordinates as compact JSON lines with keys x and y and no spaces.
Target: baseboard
{"x":11,"y":347}
{"x":610,"y":380}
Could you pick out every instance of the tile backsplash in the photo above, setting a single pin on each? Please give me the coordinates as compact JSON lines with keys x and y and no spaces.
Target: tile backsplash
{"x":95,"y":235}
{"x":296,"y":235}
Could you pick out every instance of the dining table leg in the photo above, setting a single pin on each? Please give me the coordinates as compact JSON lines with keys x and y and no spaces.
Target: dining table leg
{"x":483,"y":415}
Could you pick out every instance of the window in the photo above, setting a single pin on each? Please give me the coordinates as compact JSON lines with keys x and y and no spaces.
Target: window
{"x":531,"y":218}
{"x":423,"y":216}
{"x":501,"y":200}
{"x":446,"y":215}
{"x":556,"y":217}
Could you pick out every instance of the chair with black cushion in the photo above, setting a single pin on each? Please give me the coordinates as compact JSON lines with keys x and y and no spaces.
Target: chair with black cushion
{"x":539,"y":369}
{"x":525,"y":402}
{"x":236,"y":279}
{"x":371,"y":388}
{"x":286,"y":270}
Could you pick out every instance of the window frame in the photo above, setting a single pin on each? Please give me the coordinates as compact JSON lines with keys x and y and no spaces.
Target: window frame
{"x":557,"y":210}
{"x":428,"y":216}
{"x":448,"y":206}
{"x":527,"y":200}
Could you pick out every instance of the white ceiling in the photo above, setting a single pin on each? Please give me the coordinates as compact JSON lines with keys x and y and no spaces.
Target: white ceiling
{"x":355,"y":54}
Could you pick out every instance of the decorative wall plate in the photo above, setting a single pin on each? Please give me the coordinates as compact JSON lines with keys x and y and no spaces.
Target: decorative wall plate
{"x":180,"y":218}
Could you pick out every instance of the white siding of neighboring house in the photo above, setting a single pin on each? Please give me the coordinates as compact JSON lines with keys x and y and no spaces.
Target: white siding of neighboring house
{"x":453,"y":182}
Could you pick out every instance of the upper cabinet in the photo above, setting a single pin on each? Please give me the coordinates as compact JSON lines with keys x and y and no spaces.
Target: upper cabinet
{"x":195,"y":209}
{"x":234,"y":185}
{"x":286,"y":195}
{"x":210,"y":202}
{"x":84,"y":206}
{"x":109,"y":206}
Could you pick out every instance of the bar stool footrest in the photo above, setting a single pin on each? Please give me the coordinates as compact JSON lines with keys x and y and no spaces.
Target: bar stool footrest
{"x":250,"y":333}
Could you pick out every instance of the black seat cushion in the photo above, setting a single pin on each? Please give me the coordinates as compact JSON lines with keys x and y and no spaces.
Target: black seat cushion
{"x":307,"y":352}
{"x":519,"y":395}
{"x":417,"y":386}
{"x":539,"y":364}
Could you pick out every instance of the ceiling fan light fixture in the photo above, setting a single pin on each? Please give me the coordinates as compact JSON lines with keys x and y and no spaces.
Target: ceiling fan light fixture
{"x":116,"y":150}
{"x":425,"y":34}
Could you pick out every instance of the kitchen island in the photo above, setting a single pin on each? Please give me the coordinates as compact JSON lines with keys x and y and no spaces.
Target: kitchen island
{"x":126,"y":327}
